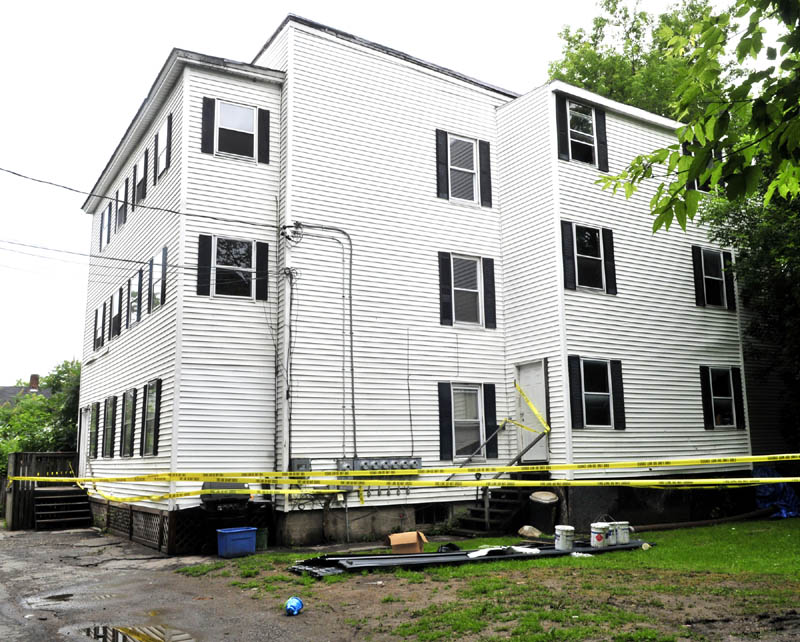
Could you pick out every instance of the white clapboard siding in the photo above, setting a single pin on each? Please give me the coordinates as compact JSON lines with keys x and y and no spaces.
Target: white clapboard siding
{"x":362,"y":157}
{"x":146,"y":350}
{"x":530,"y":261}
{"x":228,"y":344}
{"x":652,"y":325}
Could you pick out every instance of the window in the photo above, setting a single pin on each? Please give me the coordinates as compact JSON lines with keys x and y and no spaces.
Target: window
{"x":597,"y":398}
{"x":140,"y":178}
{"x":588,"y":254}
{"x":596,"y":393}
{"x":109,"y":419}
{"x":722,"y":398}
{"x":122,"y":204}
{"x":467,"y":423}
{"x":463,"y":169}
{"x":110,"y":216}
{"x":236,"y":131}
{"x":463,"y":175}
{"x":128,"y":422}
{"x":713,"y":278}
{"x":233,"y":268}
{"x":116,"y":313}
{"x":466,"y":290}
{"x":99,"y":327}
{"x":162,"y":147}
{"x":581,"y":132}
{"x":93,"y":425}
{"x":723,"y":401}
{"x":102,"y":229}
{"x":158,"y":271}
{"x":135,"y":299}
{"x":150,"y":417}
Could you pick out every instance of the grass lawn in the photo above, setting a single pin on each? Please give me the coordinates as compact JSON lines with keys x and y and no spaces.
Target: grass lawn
{"x":740,"y":580}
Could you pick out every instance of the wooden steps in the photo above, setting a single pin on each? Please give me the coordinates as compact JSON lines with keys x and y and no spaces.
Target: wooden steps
{"x":58,"y":507}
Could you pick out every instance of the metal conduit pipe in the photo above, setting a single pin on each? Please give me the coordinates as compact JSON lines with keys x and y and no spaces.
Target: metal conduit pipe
{"x":338,"y":230}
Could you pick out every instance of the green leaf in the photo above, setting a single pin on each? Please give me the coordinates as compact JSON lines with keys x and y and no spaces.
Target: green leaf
{"x":771,"y":53}
{"x":736,"y":187}
{"x":752,"y":176}
{"x":700,"y":134}
{"x":692,"y":201}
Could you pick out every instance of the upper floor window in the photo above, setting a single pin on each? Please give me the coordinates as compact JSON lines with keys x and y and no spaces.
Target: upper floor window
{"x":122,"y":204}
{"x":588,"y":254}
{"x":463,"y":169}
{"x":99,"y":327}
{"x":713,"y":277}
{"x":238,"y":130}
{"x":581,"y":132}
{"x":158,"y":280}
{"x":116,"y":314}
{"x":596,"y":393}
{"x":140,"y":178}
{"x":162,"y":146}
{"x":466,"y":290}
{"x":135,"y":299}
{"x":233,"y":267}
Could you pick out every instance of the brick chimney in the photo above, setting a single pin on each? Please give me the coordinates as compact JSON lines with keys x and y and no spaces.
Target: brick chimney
{"x":34,"y":384}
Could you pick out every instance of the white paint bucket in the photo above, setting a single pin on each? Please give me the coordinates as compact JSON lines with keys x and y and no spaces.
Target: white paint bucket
{"x":623,"y":530}
{"x":599,"y":536}
{"x":612,"y":533}
{"x":565,"y":537}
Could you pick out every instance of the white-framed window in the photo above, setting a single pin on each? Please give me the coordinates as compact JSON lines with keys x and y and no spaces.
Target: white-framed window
{"x":596,"y":384}
{"x":94,"y":424}
{"x":468,"y":428}
{"x":116,"y":313}
{"x":163,"y":146}
{"x":157,"y":280}
{"x":109,"y":421}
{"x":581,"y":132}
{"x":151,"y":409}
{"x":467,"y":290}
{"x":140,"y":189}
{"x":122,"y":204}
{"x":110,"y":218}
{"x":100,"y":327}
{"x":236,"y":129}
{"x":463,"y":163}
{"x":135,"y":298}
{"x":589,"y":257}
{"x":233,"y":268}
{"x":102,"y":228}
{"x":722,"y":400}
{"x":128,"y":423}
{"x":713,"y":278}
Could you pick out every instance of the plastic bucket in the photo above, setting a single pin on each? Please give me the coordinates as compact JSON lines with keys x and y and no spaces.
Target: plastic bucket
{"x":262,"y":535}
{"x":623,"y":530}
{"x":599,"y":536}
{"x":565,"y":537}
{"x":612,"y":533}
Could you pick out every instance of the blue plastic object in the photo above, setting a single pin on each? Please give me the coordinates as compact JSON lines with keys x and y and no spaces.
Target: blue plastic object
{"x":293,"y":605}
{"x":235,"y":542}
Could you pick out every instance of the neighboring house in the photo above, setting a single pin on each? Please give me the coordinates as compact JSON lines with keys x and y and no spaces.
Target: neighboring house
{"x":339,"y":251}
{"x":8,"y":394}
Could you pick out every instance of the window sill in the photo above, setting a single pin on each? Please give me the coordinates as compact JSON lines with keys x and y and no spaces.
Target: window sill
{"x":476,"y":205}
{"x":237,"y":157}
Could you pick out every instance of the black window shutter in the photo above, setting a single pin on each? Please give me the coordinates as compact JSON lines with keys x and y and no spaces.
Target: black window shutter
{"x":568,"y":251}
{"x":110,"y":317}
{"x":730,"y":290}
{"x":144,"y":175}
{"x":150,"y":289}
{"x":103,"y":329}
{"x":102,"y":216}
{"x":94,"y":336}
{"x":697,"y":266}
{"x":561,"y":125}
{"x":127,"y":198}
{"x":263,"y":136}
{"x":144,"y":421}
{"x":108,"y":225}
{"x":168,"y":157}
{"x":113,"y":425}
{"x":135,"y":194}
{"x":575,"y":390}
{"x":705,"y":391}
{"x":163,"y":275}
{"x":204,"y":265}
{"x":489,"y":311}
{"x":445,"y":421}
{"x":207,"y":136}
{"x":157,"y":421}
{"x":445,"y":289}
{"x":486,"y":173}
{"x":442,"y":178}
{"x":602,"y":142}
{"x":608,"y":261}
{"x":119,"y":327}
{"x":546,"y":392}
{"x":155,"y":160}
{"x":617,"y":395}
{"x":262,"y":271}
{"x":490,"y":419}
{"x":132,"y":423}
{"x":139,"y":296}
{"x":93,"y":443}
{"x":738,"y":397}
{"x":128,"y":306}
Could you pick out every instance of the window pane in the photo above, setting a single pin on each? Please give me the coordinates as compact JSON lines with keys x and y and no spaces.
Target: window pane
{"x":465,"y":273}
{"x":467,"y":306}
{"x":236,"y":117}
{"x":581,"y":138}
{"x":233,"y":282}
{"x":595,"y":376}
{"x":590,"y":272}
{"x":151,"y":402}
{"x":462,"y":153}
{"x":462,"y":185}
{"x":723,"y":412}
{"x":582,"y":152}
{"x":465,"y":404}
{"x":715,"y":292}
{"x":234,"y":142}
{"x":232,"y":253}
{"x":149,"y":434}
{"x":467,"y":437}
{"x":587,"y":240}
{"x":598,"y":410}
{"x":721,"y":382}
{"x":578,"y":108}
{"x":712,"y":263}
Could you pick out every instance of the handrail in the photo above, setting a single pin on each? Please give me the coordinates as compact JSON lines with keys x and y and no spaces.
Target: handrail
{"x":479,"y":449}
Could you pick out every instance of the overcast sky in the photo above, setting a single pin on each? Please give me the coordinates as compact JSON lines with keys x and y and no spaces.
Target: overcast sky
{"x":74,"y":74}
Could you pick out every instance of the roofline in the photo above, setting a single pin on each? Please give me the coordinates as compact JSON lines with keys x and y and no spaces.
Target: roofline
{"x":178,"y":57}
{"x":559,"y":86}
{"x":369,"y":44}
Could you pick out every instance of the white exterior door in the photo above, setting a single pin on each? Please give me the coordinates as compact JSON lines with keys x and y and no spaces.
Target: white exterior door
{"x":531,"y":378}
{"x":83,"y":439}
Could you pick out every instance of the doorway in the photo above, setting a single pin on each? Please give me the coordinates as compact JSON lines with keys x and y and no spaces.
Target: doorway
{"x":532,"y":378}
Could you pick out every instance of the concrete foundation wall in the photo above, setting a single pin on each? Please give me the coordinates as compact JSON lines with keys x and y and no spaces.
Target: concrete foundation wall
{"x":315,"y":526}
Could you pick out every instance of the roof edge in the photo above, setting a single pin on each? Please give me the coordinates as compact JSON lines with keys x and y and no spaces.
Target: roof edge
{"x":369,"y":44}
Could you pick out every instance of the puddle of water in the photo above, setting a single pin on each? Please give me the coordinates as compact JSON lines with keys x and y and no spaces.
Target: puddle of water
{"x":61,"y":597}
{"x":107,"y":633}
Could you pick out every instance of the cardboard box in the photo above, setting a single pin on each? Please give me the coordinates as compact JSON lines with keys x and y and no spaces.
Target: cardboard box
{"x":410,"y":542}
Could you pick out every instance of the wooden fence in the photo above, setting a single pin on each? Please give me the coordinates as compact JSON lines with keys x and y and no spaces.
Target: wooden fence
{"x":19,"y":504}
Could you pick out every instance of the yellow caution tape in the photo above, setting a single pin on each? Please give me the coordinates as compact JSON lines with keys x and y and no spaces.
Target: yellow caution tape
{"x":289,"y":477}
{"x":226,"y":491}
{"x":532,"y":407}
